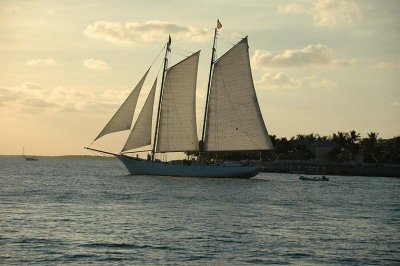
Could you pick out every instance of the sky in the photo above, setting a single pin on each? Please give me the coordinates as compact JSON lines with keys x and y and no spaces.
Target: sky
{"x":318,"y":66}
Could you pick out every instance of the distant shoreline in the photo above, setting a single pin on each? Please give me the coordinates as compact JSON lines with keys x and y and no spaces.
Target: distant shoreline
{"x":290,"y":167}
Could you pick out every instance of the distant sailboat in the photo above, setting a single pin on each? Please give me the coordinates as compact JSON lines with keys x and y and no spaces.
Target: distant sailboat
{"x":28,"y":158}
{"x":232,"y":119}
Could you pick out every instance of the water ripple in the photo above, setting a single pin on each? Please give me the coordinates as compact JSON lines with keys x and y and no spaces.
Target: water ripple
{"x":89,"y":211}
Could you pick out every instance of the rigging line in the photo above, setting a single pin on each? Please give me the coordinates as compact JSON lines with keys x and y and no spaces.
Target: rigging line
{"x":213,"y":54}
{"x":158,"y":56}
{"x":180,"y":54}
{"x":96,"y":153}
{"x":232,"y":35}
{"x":183,"y":50}
{"x":226,"y":40}
{"x":191,"y":36}
{"x":167,"y":49}
{"x":216,"y":49}
{"x":159,"y":69}
{"x":180,"y":48}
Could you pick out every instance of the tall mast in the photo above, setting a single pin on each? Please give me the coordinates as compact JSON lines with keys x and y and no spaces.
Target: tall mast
{"x":208,"y":90}
{"x":167,"y":49}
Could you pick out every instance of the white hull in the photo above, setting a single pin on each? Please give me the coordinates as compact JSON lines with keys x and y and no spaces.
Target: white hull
{"x":145,"y":167}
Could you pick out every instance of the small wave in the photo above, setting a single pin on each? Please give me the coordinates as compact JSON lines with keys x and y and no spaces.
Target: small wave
{"x":38,"y":241}
{"x":298,"y":255}
{"x":117,"y":196}
{"x":127,"y":246}
{"x":231,"y":241}
{"x":265,"y":262}
{"x":111,"y":259}
{"x":114,"y":245}
{"x":349,"y":261}
{"x":79,"y":256}
{"x":197,"y":257}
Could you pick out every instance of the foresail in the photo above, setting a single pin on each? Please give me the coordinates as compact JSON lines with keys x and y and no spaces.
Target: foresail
{"x":234,"y":120}
{"x":141,"y":133}
{"x":122,"y":119}
{"x":177,"y":126}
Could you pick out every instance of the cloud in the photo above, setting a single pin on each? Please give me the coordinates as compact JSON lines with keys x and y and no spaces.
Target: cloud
{"x":282,"y":81}
{"x":349,"y":62}
{"x":290,"y":9}
{"x":25,"y":98}
{"x":95,"y":64}
{"x":386,"y":65}
{"x":279,"y":81}
{"x":326,"y":13}
{"x":394,"y":104}
{"x":133,"y":32}
{"x":318,"y":54}
{"x":4,"y":91}
{"x":12,"y":9}
{"x":311,"y":55}
{"x":39,"y":103}
{"x":317,"y":83}
{"x":30,"y":97}
{"x":32,"y":86}
{"x":7,"y":95}
{"x":34,"y":98}
{"x":330,"y":13}
{"x":42,"y":62}
{"x":116,"y":96}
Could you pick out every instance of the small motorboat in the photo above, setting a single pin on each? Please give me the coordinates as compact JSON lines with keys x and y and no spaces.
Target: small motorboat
{"x":314,"y":178}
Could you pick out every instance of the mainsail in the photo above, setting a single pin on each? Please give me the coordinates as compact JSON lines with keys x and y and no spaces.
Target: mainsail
{"x":141,"y":133}
{"x":177,"y":126}
{"x":234,"y":120}
{"x":122,"y":119}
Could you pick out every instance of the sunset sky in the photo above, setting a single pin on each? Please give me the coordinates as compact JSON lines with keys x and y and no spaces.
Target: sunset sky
{"x":319,"y":66}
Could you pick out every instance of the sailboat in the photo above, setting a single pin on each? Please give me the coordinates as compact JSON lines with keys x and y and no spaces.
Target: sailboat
{"x":28,"y":158}
{"x":232,"y":119}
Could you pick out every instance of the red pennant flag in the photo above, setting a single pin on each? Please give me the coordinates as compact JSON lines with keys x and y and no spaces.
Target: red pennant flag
{"x":219,"y":25}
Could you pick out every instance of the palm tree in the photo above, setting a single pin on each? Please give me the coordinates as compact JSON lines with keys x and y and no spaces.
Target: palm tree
{"x":392,"y":150}
{"x":349,"y":142}
{"x":354,"y":143}
{"x":311,"y":137}
{"x":370,"y":148}
{"x":340,"y":138}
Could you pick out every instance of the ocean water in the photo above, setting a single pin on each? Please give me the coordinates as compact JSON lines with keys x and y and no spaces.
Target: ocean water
{"x":80,"y":211}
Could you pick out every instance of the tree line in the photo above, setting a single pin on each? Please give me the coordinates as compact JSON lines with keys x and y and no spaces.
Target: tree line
{"x":346,"y":146}
{"x":349,"y":146}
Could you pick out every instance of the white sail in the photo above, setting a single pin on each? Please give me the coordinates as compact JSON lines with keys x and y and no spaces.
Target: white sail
{"x":234,"y":120}
{"x":122,"y":119}
{"x":141,"y":133}
{"x":177,"y":124}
